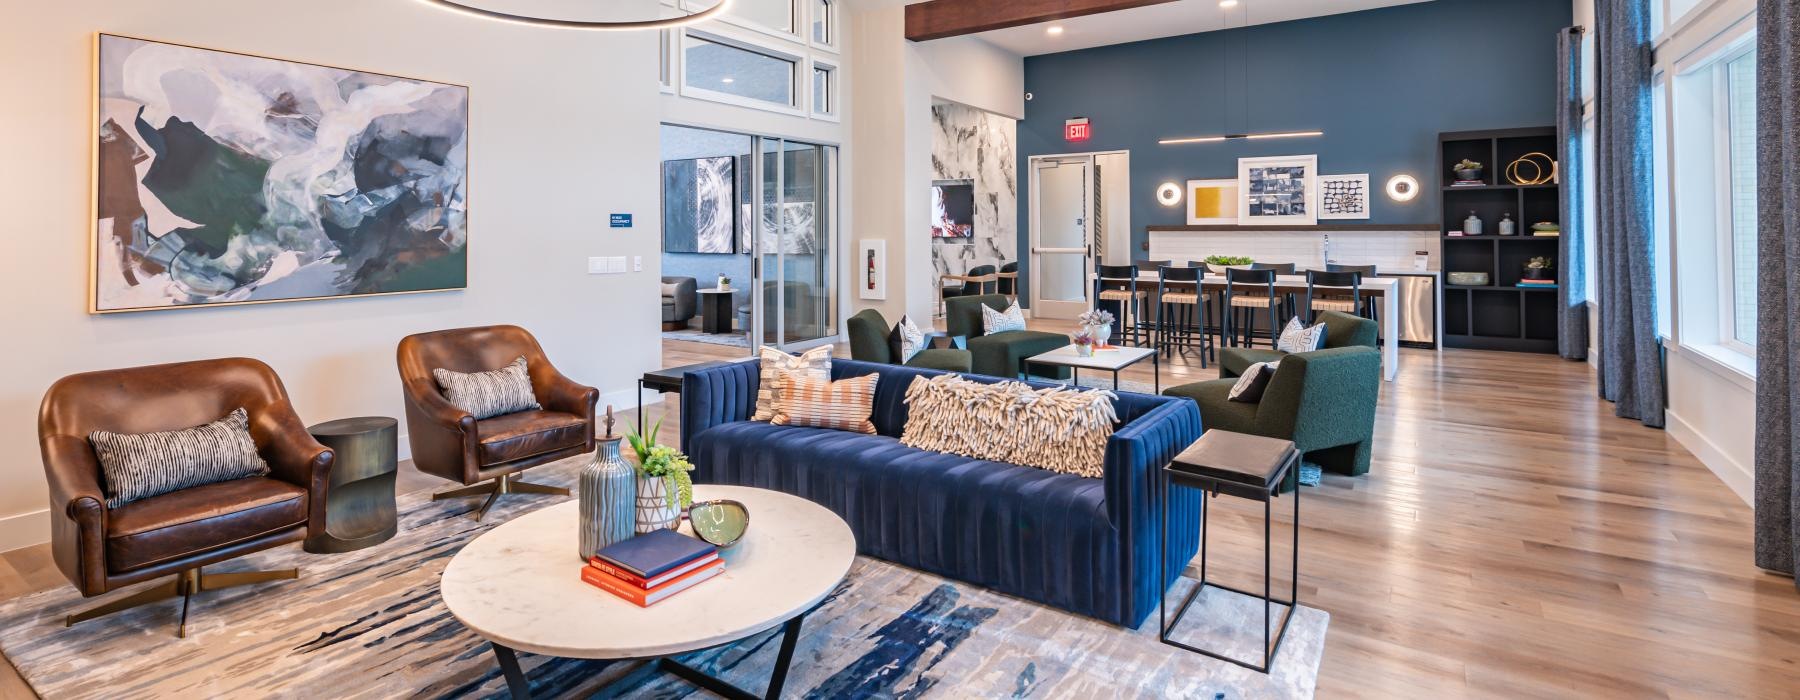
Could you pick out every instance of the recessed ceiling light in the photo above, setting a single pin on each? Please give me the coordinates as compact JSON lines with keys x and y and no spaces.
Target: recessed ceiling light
{"x":1054,"y":30}
{"x":1227,"y":4}
{"x":728,"y":80}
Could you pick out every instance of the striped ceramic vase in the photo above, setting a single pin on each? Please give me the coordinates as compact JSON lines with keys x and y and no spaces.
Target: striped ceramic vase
{"x":608,"y":499}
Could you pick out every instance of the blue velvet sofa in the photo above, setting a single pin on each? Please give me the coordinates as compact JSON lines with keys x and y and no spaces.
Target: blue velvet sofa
{"x":1081,"y":544}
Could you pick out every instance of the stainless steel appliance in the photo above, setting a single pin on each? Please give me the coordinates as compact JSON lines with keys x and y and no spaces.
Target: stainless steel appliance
{"x":1418,"y":308}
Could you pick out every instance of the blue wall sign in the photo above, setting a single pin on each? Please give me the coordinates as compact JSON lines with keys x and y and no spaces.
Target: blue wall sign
{"x":621,"y":221}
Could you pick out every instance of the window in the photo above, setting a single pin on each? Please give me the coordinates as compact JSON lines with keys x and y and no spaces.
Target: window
{"x":738,"y":73}
{"x":1740,"y":134}
{"x":773,"y":14}
{"x":824,"y":97}
{"x":822,"y":23}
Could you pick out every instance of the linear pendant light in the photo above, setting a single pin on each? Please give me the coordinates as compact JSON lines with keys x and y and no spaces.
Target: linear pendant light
{"x":628,"y":25}
{"x":1234,"y":137}
{"x":1224,"y":7}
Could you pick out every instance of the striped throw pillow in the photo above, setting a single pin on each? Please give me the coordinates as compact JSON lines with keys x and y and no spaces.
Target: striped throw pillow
{"x":150,"y":464}
{"x":491,"y":393}
{"x":778,"y":367}
{"x":818,"y":403}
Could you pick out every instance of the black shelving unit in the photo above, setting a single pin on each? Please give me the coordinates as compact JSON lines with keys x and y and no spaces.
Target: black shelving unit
{"x":1500,"y":315}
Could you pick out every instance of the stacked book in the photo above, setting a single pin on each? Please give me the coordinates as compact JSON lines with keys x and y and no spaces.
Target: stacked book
{"x":647,"y":569}
{"x":1537,"y":283}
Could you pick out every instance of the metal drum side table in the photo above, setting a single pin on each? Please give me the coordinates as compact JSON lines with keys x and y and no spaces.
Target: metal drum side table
{"x":359,"y":505}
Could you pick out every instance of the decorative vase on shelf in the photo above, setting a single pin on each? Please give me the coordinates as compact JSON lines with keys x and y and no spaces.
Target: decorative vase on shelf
{"x":1508,"y":227}
{"x":608,"y":493}
{"x":1472,"y":225}
{"x":657,"y":509}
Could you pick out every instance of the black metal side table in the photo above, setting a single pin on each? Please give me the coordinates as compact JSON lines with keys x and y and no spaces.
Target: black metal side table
{"x":1246,"y":466}
{"x":666,"y":381}
{"x":359,"y":504}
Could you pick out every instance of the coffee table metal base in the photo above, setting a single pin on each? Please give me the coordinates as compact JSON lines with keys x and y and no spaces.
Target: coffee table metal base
{"x":790,"y":635}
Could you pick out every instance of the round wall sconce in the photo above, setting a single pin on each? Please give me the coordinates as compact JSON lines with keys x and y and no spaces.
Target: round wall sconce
{"x":1402,"y":188}
{"x":1169,"y":194}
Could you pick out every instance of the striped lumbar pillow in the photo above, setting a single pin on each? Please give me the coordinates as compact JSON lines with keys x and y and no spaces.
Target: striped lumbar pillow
{"x":816,"y":403}
{"x":149,"y":464}
{"x":778,"y":368}
{"x":491,"y":393}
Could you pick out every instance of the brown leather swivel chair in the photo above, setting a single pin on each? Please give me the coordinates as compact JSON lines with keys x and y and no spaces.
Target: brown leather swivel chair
{"x":102,"y":549}
{"x":449,"y":442}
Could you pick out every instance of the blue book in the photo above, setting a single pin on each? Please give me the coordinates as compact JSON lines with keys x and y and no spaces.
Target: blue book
{"x":653,"y":554}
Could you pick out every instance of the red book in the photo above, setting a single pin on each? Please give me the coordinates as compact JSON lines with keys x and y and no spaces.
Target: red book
{"x":661,"y":579}
{"x":646,"y":598}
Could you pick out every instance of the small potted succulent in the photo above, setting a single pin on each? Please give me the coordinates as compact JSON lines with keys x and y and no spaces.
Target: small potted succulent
{"x":1540,"y":268}
{"x":663,"y":484}
{"x":724,"y":283}
{"x":1084,"y":342}
{"x":1217,"y":264}
{"x":1098,"y":323}
{"x":1467,"y":171}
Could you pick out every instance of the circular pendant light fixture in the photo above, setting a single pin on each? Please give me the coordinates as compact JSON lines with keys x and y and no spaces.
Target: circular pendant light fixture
{"x":626,"y":25}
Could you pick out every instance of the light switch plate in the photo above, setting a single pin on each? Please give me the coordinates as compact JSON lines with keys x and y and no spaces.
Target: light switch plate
{"x":637,"y":263}
{"x":596,"y":266}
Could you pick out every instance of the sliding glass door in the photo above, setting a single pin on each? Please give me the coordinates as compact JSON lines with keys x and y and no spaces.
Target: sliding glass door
{"x":796,"y":243}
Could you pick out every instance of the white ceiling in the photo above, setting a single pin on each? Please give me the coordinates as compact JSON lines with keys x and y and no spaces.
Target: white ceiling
{"x":1167,"y":19}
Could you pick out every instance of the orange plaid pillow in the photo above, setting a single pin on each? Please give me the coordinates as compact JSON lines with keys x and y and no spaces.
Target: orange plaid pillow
{"x":841,"y":405}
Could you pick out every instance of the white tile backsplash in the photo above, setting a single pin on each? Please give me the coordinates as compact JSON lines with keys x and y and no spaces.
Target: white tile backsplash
{"x":1387,"y":250}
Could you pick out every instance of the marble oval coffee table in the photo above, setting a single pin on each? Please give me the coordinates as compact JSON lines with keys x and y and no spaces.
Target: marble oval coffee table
{"x":519,"y":587}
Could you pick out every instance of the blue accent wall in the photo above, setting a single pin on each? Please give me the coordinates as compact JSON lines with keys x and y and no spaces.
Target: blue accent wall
{"x":1380,"y":83}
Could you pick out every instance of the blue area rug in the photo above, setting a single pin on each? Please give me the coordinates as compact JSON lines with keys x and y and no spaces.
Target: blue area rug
{"x":370,"y":624}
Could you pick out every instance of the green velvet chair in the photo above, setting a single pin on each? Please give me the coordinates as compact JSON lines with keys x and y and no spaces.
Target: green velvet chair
{"x":1000,"y":354}
{"x":1342,"y":330}
{"x":868,"y":333}
{"x":1323,"y":400}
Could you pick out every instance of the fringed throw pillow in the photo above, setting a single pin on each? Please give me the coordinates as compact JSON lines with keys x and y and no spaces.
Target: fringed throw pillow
{"x":1059,"y":429}
{"x":778,"y":367}
{"x":491,"y":393}
{"x":845,"y":404}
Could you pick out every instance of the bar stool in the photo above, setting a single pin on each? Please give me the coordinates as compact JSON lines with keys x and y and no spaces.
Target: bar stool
{"x":1371,"y":307}
{"x":1181,"y":311}
{"x":1248,"y":304}
{"x":1332,"y":298}
{"x":1119,"y":284}
{"x":1151,"y":265}
{"x":1147,"y":325}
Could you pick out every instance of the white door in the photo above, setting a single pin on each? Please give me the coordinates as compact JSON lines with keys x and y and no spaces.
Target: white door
{"x":1060,"y":241}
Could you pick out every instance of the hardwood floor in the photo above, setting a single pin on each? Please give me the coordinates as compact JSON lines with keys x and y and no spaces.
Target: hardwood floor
{"x":1513,"y":539}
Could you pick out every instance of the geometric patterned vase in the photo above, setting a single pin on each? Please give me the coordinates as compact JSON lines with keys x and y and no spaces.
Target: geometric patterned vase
{"x":654,"y":510}
{"x":608,"y":493}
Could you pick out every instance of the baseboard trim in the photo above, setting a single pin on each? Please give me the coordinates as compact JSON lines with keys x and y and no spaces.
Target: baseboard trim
{"x":1737,"y":477}
{"x":24,"y":530}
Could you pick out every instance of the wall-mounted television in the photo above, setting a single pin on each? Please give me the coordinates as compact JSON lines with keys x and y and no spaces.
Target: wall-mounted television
{"x":953,"y":209}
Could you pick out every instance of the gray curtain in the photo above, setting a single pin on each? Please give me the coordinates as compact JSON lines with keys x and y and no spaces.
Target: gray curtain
{"x":1631,"y":374}
{"x":1571,"y":295}
{"x":1778,"y":283}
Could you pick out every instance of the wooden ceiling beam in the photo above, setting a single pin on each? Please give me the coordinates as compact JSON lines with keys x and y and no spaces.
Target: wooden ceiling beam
{"x":939,"y":19}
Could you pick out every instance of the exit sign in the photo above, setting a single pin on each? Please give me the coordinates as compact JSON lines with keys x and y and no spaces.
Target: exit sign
{"x":1077,"y":129}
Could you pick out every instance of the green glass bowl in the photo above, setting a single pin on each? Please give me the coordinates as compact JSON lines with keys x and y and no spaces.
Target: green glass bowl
{"x":720,"y":523}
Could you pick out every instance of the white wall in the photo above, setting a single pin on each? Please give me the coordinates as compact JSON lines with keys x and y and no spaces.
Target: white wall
{"x":897,"y":83}
{"x":560,"y":137}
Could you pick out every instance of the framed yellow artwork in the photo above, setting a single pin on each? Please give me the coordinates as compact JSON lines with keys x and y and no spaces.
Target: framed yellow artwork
{"x":1212,"y":201}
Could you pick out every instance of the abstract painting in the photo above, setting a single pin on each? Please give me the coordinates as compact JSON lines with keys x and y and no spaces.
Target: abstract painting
{"x":225,"y":178}
{"x":1344,"y":196}
{"x":1212,"y":202}
{"x":1279,"y":190}
{"x":793,"y":234}
{"x":699,"y":196}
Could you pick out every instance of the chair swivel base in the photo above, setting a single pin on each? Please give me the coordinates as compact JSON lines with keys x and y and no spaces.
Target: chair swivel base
{"x":495,"y":488}
{"x":184,"y":586}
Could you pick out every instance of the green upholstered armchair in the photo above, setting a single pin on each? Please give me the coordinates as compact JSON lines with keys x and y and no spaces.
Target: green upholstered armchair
{"x":1000,"y":354}
{"x":1342,"y":330}
{"x":1323,"y":400}
{"x":869,"y":343}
